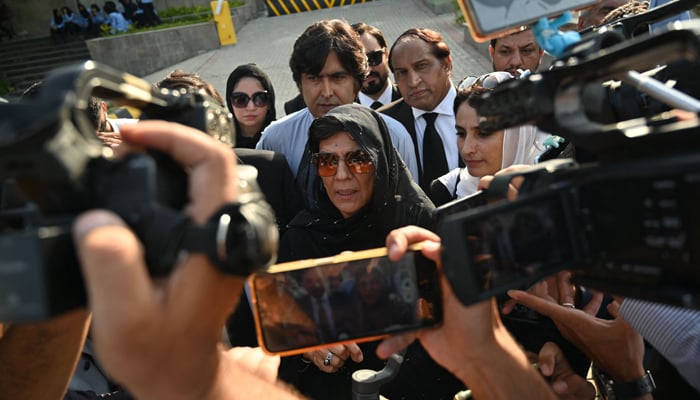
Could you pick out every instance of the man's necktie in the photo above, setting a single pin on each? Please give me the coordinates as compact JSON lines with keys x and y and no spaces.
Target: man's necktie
{"x":434,"y":160}
{"x":375,"y":105}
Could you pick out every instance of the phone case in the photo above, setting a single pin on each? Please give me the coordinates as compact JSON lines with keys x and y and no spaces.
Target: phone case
{"x":287,"y":305}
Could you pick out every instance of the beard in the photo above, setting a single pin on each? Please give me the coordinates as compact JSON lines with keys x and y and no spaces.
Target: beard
{"x":377,"y":86}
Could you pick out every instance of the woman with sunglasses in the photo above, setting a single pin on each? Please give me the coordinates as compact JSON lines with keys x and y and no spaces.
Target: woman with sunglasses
{"x":251,"y":99}
{"x":483,"y":152}
{"x":360,"y":190}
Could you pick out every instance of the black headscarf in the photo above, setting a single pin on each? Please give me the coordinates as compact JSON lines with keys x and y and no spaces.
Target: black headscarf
{"x":396,"y":200}
{"x":251,"y":71}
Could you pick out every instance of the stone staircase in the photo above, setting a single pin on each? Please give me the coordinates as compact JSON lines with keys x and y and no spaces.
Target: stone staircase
{"x":22,"y":62}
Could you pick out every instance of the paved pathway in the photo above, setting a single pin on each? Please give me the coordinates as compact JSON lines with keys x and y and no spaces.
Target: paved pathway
{"x":267,"y":41}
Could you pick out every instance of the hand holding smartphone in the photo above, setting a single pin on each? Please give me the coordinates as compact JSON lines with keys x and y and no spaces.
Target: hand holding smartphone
{"x":351,"y":297}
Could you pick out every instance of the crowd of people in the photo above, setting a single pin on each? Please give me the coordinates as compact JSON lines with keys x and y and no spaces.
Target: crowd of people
{"x":359,"y":162}
{"x":112,"y":17}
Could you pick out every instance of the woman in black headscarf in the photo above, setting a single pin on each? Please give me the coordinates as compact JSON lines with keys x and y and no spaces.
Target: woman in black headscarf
{"x":359,"y":190}
{"x":339,"y":216}
{"x":251,"y":99}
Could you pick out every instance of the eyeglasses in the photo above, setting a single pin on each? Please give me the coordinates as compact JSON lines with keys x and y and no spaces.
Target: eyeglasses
{"x":241,"y":100}
{"x":358,"y":161}
{"x":376,"y":57}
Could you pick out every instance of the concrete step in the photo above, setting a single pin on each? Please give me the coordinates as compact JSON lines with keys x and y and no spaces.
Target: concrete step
{"x":44,"y":50}
{"x":26,"y":61}
{"x":39,"y":49}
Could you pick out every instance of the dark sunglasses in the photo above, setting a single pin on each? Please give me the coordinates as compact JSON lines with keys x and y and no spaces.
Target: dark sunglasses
{"x":240,"y":99}
{"x":375,"y":58}
{"x":358,"y":161}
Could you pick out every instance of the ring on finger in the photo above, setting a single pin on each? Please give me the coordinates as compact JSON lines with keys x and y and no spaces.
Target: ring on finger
{"x":569,"y":305}
{"x":327,"y":359}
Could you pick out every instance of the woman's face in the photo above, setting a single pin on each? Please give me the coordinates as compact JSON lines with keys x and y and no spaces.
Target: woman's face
{"x":250,"y":117}
{"x":349,"y":192}
{"x":482,"y":152}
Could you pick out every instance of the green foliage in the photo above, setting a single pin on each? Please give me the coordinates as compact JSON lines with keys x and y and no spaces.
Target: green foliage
{"x":187,"y":20}
{"x":175,"y":16}
{"x":178,"y":11}
{"x":5,"y":87}
{"x":459,"y":18}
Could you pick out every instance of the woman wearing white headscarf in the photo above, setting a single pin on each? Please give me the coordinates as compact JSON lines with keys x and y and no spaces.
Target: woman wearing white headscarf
{"x":483,"y":152}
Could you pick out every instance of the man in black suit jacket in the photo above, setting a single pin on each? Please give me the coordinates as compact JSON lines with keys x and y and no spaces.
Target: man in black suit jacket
{"x":422,"y":65}
{"x":377,"y":90}
{"x":294,"y":105}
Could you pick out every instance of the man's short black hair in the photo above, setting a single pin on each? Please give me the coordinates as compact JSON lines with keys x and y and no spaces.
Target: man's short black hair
{"x":312,"y":48}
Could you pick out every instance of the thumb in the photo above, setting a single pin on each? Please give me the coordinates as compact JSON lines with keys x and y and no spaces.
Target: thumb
{"x":111,"y":258}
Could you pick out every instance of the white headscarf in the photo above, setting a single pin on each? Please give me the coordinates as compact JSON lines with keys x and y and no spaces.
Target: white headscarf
{"x":521,"y":145}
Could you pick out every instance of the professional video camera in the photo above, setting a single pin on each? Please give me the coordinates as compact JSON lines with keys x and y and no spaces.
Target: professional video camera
{"x":52,"y":159}
{"x":625,"y":223}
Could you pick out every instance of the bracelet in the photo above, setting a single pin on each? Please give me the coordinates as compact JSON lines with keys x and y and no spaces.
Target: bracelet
{"x":636,"y":388}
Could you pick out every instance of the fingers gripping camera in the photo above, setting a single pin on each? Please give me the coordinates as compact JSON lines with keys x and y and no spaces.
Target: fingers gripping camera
{"x":242,"y":236}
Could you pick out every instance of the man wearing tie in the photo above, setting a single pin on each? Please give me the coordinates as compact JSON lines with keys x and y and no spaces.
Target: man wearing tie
{"x":377,"y":90}
{"x":422,"y":65}
{"x":321,"y":305}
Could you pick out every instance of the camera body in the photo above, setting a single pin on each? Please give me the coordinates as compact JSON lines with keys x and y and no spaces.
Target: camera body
{"x":55,"y":167}
{"x":625,"y":223}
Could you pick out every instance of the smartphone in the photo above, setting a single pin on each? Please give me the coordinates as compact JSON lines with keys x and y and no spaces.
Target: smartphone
{"x":352,"y":297}
{"x":509,"y":245}
{"x":489,"y":19}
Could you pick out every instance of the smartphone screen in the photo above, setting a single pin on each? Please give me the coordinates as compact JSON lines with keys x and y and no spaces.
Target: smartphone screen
{"x":488,"y":19}
{"x":352,"y":297}
{"x":510,"y":245}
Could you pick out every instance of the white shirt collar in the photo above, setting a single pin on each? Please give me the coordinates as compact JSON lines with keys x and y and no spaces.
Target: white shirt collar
{"x":385,"y":98}
{"x":445,"y":107}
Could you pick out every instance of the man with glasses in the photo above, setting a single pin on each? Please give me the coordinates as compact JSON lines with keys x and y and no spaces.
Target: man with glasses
{"x":377,"y":90}
{"x":328,"y":65}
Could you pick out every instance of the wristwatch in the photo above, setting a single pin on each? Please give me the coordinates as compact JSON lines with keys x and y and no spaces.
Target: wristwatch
{"x":626,"y":390}
{"x":242,"y":236}
{"x":636,"y":388}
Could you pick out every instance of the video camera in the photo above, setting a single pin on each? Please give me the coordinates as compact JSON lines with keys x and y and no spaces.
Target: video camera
{"x":54,"y":167}
{"x":625,"y":223}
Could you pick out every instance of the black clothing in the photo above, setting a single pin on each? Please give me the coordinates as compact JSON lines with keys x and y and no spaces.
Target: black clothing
{"x":281,"y":192}
{"x":401,"y":112}
{"x":276,"y":182}
{"x":294,"y":105}
{"x":245,"y":142}
{"x":439,"y":194}
{"x":90,"y":395}
{"x":433,"y":150}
